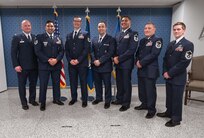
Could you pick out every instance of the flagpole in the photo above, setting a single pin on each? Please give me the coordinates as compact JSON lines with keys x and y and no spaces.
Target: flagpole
{"x":118,"y":11}
{"x":87,"y":11}
{"x":90,"y":98}
{"x":62,"y":72}
{"x":113,"y":72}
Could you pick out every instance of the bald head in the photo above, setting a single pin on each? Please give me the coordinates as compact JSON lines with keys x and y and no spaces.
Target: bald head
{"x":26,"y":26}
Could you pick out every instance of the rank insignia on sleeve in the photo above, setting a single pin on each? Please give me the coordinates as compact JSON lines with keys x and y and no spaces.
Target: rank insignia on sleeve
{"x":158,"y":44}
{"x":88,"y":39}
{"x":188,"y":54}
{"x":58,"y":41}
{"x":136,"y":37}
{"x":35,"y":42}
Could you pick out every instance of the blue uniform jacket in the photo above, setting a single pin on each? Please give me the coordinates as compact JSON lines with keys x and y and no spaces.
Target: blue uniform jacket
{"x":78,"y":48}
{"x":176,"y":60}
{"x":103,"y":52}
{"x":125,"y":48}
{"x":147,"y":54}
{"x":46,"y":48}
{"x":22,"y":52}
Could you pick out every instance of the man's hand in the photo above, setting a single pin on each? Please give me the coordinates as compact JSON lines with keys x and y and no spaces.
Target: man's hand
{"x":74,"y":62}
{"x":97,"y":63}
{"x":18,"y":69}
{"x":52,"y":61}
{"x":138,"y":64}
{"x":115,"y":59}
{"x":166,"y":75}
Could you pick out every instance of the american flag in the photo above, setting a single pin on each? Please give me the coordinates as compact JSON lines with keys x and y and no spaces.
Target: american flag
{"x":57,"y":34}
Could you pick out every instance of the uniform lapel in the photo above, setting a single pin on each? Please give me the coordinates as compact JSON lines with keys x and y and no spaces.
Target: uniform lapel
{"x":103,"y":40}
{"x":24,"y":37}
{"x":122,"y":34}
{"x":177,"y":45}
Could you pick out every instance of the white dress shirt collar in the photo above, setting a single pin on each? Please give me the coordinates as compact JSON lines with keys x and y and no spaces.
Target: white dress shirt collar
{"x":101,"y":37}
{"x":179,"y":39}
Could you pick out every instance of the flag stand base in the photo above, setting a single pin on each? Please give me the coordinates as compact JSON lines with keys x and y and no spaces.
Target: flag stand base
{"x":62,"y":98}
{"x":113,"y":98}
{"x":90,"y":98}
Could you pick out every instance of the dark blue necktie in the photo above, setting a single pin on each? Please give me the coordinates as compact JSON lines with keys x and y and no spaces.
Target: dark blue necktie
{"x":75,"y":34}
{"x":100,"y":40}
{"x":29,"y":39}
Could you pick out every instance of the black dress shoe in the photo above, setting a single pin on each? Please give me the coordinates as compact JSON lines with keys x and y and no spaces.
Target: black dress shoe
{"x":58,"y":102}
{"x":96,"y":102}
{"x":124,"y":108}
{"x":106,"y":105}
{"x":172,"y":123}
{"x":164,"y":114}
{"x":140,"y":107}
{"x":34,"y":103}
{"x":116,"y":102}
{"x":84,"y":104}
{"x":72,"y":102}
{"x":25,"y":107}
{"x":150,"y":115}
{"x":42,"y":107}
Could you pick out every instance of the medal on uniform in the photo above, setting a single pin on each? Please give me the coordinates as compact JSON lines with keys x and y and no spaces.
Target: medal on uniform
{"x":126,"y":36}
{"x":149,"y":43}
{"x":81,"y":36}
{"x":179,"y":48}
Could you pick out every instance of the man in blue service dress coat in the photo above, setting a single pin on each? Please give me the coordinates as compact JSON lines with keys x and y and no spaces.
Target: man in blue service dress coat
{"x":148,"y":69}
{"x":25,"y":63}
{"x":49,"y":50}
{"x":177,"y":58}
{"x":127,"y":42}
{"x":103,"y":49}
{"x":77,"y":48}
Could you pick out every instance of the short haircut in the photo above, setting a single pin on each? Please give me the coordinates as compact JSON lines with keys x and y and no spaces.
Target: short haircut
{"x":182,"y":24}
{"x":103,"y":22}
{"x":126,"y":16}
{"x":49,"y":21}
{"x":151,"y":24}
{"x":77,"y":17}
{"x":25,"y":21}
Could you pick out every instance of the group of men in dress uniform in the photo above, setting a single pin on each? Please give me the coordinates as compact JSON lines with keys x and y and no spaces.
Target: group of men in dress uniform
{"x":41,"y":55}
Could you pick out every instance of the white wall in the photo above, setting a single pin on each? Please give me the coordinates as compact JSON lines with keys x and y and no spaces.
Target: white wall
{"x":3,"y":85}
{"x":191,"y":12}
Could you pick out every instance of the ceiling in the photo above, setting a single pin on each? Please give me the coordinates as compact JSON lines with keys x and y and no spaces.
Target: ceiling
{"x":90,"y":3}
